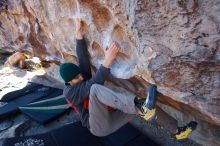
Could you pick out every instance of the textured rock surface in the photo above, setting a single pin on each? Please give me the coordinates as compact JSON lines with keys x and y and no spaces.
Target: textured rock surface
{"x":175,"y":44}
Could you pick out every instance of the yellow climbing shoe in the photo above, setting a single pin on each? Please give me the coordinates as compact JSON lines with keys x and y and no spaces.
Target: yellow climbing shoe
{"x":147,"y":107}
{"x":150,"y":115}
{"x":184,"y":132}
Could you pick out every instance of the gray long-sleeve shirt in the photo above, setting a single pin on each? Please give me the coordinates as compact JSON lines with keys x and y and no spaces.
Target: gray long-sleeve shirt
{"x":77,"y":93}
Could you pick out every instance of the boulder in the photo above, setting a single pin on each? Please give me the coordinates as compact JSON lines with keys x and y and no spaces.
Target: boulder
{"x":174,"y":44}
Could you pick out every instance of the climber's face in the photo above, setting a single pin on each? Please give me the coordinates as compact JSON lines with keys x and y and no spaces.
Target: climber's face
{"x":77,"y":79}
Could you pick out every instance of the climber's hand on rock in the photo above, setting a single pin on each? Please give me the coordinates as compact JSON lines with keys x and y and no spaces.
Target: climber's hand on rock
{"x":78,"y":25}
{"x":111,"y":54}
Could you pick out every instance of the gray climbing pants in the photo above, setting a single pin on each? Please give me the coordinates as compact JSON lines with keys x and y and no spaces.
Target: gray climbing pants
{"x":102,"y":121}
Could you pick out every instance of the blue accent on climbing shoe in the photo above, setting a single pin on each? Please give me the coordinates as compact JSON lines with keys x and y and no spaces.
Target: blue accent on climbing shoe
{"x":152,"y":91}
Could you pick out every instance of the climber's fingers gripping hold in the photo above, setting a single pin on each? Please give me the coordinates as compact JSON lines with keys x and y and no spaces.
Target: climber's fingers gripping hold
{"x":111,"y":54}
{"x":78,"y":23}
{"x":113,"y":50}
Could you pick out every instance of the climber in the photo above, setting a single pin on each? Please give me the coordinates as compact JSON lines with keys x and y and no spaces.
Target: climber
{"x":101,"y":109}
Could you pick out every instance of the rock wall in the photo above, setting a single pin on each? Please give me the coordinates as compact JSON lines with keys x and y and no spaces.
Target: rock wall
{"x":173,"y":43}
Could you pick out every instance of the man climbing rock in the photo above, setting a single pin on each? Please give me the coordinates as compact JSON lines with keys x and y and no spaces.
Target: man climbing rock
{"x":101,"y":109}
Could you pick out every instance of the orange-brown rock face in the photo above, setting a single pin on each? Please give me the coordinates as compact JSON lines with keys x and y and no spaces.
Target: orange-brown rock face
{"x":175,"y":44}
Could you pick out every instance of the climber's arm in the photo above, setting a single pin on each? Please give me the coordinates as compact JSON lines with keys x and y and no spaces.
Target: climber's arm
{"x":82,"y":52}
{"x":78,"y":25}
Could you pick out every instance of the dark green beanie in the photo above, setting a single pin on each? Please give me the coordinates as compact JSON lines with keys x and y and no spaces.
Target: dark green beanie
{"x":69,"y":71}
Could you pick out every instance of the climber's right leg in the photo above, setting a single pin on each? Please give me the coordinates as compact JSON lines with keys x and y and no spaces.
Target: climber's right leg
{"x":147,"y":107}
